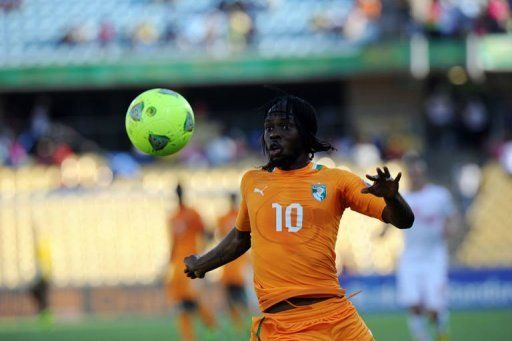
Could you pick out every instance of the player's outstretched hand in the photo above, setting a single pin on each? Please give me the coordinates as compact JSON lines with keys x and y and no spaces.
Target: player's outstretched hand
{"x":384,"y":185}
{"x":191,"y":267}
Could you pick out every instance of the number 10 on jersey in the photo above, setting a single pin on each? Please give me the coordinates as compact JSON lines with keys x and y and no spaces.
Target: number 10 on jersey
{"x":291,"y":226}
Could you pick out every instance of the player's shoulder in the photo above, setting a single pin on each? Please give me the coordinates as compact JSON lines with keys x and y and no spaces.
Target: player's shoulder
{"x":338,"y":174}
{"x":252,"y":174}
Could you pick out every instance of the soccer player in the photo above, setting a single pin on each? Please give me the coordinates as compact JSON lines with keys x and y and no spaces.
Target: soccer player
{"x":232,"y":276}
{"x":186,"y":229}
{"x":289,"y":214}
{"x":422,"y":276}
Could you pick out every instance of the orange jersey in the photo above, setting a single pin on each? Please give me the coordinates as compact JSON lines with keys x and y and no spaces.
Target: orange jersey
{"x":232,"y":272}
{"x":186,"y":228}
{"x":293,"y":217}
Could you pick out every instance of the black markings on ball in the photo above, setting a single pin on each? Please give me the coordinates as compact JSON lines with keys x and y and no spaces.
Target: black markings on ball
{"x":151,"y":111}
{"x":158,"y":142}
{"x":189,"y":123}
{"x":136,"y":111}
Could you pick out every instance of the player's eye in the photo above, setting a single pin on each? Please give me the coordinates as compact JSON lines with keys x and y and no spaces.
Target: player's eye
{"x":268,"y":129}
{"x":285,"y":126}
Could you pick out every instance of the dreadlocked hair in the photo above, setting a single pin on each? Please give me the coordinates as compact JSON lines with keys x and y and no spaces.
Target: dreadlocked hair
{"x":305,"y":119}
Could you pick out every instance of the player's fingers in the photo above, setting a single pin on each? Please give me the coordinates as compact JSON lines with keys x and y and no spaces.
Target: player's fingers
{"x":386,"y":172}
{"x":198,"y":274}
{"x":365,"y":190}
{"x":398,"y":177}
{"x":372,"y":177}
{"x":380,"y":172}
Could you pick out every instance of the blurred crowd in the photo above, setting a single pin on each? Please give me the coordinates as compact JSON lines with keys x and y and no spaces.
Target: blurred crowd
{"x":445,"y":18}
{"x":232,"y":25}
{"x":40,"y":140}
{"x":453,"y":120}
{"x":228,"y":26}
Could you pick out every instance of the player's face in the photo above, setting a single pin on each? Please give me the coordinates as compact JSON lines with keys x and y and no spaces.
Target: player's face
{"x":416,"y":172}
{"x":282,"y":139}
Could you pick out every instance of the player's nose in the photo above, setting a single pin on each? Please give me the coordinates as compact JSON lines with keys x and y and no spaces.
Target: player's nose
{"x":274,"y":135}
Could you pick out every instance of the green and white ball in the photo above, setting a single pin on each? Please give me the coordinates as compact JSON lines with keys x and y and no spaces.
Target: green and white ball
{"x":159,"y":122}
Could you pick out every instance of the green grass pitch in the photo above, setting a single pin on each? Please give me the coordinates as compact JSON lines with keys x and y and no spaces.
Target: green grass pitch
{"x":467,"y":326}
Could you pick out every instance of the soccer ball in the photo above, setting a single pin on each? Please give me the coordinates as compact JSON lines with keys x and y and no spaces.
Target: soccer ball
{"x":159,"y":122}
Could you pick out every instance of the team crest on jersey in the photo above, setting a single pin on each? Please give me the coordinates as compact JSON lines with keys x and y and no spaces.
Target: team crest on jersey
{"x":319,"y":192}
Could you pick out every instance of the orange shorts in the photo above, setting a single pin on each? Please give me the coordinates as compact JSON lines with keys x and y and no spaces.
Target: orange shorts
{"x":332,"y":319}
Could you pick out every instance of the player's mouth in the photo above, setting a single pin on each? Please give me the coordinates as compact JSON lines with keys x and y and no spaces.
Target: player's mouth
{"x":275,"y":150}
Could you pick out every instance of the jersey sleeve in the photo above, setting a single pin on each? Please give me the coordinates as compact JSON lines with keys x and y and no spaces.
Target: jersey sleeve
{"x":242,"y":219}
{"x":350,"y":186}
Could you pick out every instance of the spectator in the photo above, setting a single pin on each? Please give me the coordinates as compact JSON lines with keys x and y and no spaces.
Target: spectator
{"x":474,"y":122}
{"x":361,"y":25}
{"x":170,"y":32}
{"x":215,"y":31}
{"x":40,"y":118}
{"x":498,"y":14}
{"x":10,"y":5}
{"x":371,"y":8}
{"x":364,"y":153}
{"x":240,"y":27}
{"x":107,"y":33}
{"x":78,"y":34}
{"x":17,"y":154}
{"x":221,"y":150}
{"x":145,"y":34}
{"x":440,"y":114}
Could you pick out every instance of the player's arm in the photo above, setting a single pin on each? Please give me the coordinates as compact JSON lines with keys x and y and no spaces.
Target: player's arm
{"x":235,"y":244}
{"x":453,"y":218}
{"x":397,"y":211}
{"x":170,"y":240}
{"x":452,"y":226}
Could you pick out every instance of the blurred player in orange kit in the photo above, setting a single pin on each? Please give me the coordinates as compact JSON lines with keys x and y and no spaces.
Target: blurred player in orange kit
{"x":186,"y":230}
{"x":232,"y":275}
{"x":289,"y":215}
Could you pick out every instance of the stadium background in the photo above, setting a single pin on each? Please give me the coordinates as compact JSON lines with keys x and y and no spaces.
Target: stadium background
{"x":386,"y":77}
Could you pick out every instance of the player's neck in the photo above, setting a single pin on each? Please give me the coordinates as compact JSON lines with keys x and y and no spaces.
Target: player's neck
{"x":300,"y":162}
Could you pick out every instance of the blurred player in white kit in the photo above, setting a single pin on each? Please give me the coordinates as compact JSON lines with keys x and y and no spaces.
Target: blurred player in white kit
{"x":422,"y":274}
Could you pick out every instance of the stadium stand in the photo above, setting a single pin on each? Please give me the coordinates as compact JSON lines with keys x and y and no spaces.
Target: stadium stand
{"x":486,"y":244}
{"x":52,"y":32}
{"x":72,"y":32}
